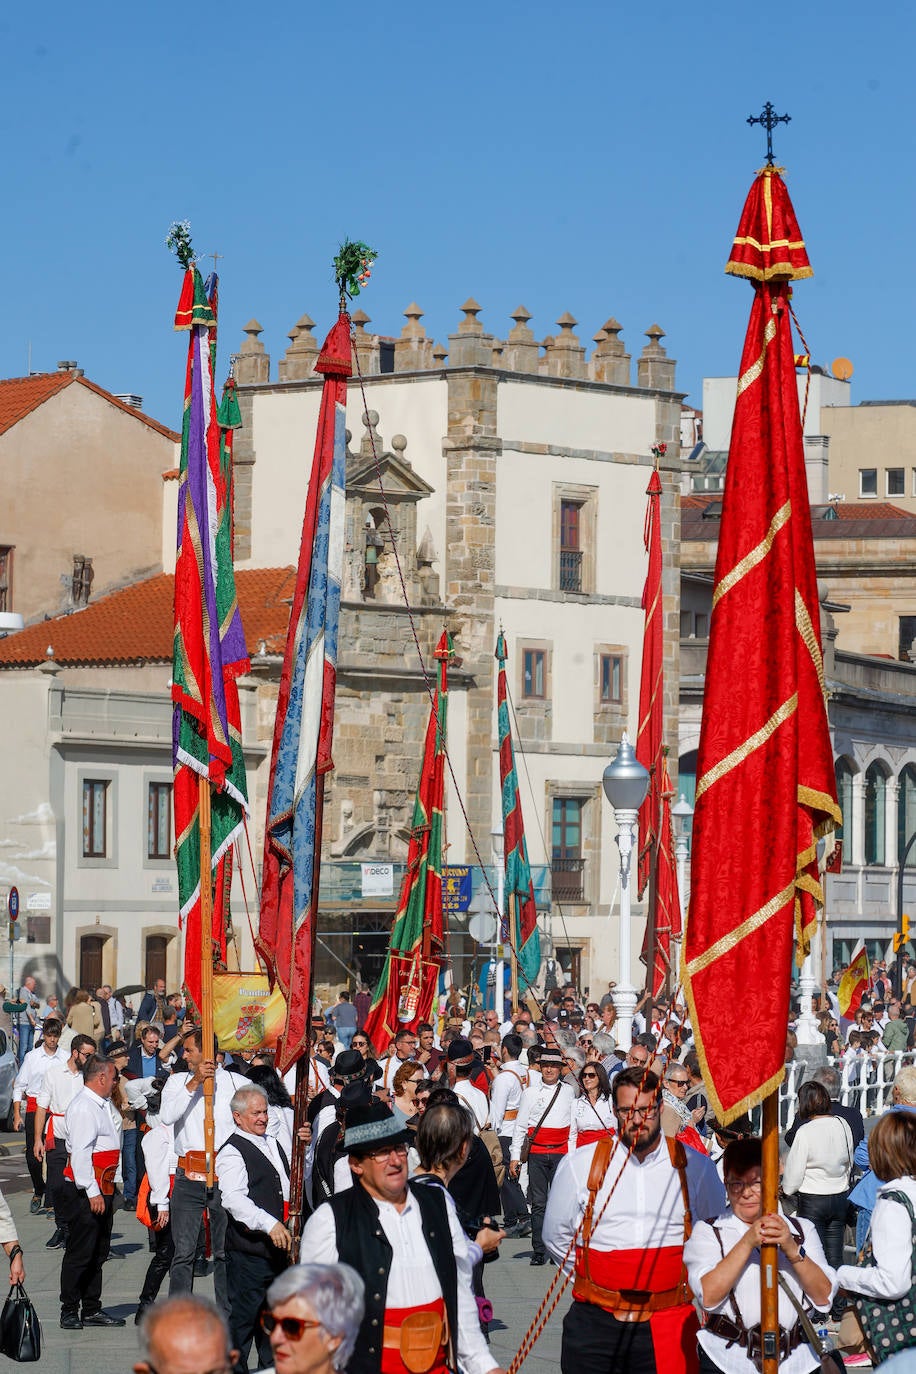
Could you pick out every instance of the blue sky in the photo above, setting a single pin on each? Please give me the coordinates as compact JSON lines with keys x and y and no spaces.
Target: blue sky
{"x":585,"y":157}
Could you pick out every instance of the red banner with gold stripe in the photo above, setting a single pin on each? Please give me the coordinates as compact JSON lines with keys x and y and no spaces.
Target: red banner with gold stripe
{"x":765,"y":778}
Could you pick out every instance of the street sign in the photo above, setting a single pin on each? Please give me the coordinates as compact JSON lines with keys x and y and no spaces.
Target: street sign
{"x":456,"y":887}
{"x":12,"y":903}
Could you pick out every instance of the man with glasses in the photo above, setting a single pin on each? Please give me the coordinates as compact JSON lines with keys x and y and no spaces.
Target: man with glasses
{"x":632,"y":1309}
{"x":184,"y":1335}
{"x":403,"y":1051}
{"x":62,"y":1082}
{"x":402,"y":1238}
{"x":254,"y":1181}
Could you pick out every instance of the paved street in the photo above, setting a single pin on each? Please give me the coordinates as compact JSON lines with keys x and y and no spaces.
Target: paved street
{"x":514,"y":1288}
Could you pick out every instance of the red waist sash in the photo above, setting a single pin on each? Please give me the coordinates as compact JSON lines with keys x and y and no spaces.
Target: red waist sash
{"x":592,"y":1137}
{"x":646,"y":1271}
{"x":30,"y":1103}
{"x":103,"y":1161}
{"x":49,"y":1129}
{"x":392,"y":1361}
{"x":550,"y":1140}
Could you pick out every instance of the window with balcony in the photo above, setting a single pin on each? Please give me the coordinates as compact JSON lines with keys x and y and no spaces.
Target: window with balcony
{"x":567,"y":864}
{"x":159,"y":821}
{"x":95,"y":818}
{"x":575,"y":532}
{"x":571,"y":546}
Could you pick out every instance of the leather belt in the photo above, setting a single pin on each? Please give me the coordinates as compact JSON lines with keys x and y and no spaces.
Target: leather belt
{"x":749,"y":1337}
{"x":510,"y":1116}
{"x":194,"y":1166}
{"x":630,"y":1304}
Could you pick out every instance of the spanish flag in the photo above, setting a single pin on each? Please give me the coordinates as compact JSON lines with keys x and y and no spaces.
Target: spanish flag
{"x":854,"y":982}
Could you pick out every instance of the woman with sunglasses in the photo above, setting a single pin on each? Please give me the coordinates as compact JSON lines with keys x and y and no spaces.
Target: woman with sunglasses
{"x":360,"y":1042}
{"x":303,"y":1343}
{"x":592,"y":1114}
{"x":723,"y":1265}
{"x":406,"y":1079}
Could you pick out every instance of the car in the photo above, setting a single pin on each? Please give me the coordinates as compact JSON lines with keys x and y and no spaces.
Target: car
{"x":8,"y":1070}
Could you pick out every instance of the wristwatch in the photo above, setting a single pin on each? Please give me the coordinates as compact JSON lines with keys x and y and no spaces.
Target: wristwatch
{"x":802,"y":1254}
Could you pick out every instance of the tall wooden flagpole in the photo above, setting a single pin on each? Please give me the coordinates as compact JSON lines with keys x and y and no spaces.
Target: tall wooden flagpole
{"x":769,"y":1254}
{"x":206,"y":973}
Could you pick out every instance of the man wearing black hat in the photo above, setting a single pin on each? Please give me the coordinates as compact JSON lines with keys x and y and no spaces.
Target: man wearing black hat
{"x":348,"y":1067}
{"x":460,"y":1067}
{"x":542,"y":1125}
{"x":406,"y":1243}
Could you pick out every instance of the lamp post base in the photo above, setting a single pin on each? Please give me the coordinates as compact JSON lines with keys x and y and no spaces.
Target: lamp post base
{"x":625,"y":1005}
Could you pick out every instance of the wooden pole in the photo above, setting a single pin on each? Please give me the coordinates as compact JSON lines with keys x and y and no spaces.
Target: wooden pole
{"x":206,"y":972}
{"x":513,"y":956}
{"x":769,"y":1254}
{"x":297,"y":1163}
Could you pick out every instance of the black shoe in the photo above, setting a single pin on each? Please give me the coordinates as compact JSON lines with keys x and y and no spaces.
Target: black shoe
{"x":57,"y":1241}
{"x":519,"y":1228}
{"x":130,"y":1204}
{"x":138,"y":1315}
{"x":70,"y":1321}
{"x":538,"y":1259}
{"x":36,"y":1205}
{"x":102,"y":1318}
{"x":201,"y":1269}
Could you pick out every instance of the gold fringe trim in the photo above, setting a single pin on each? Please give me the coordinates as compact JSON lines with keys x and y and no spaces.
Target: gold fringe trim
{"x":744,"y":750}
{"x":780,"y":271}
{"x":727,"y":942}
{"x":755,"y":369}
{"x":809,"y":638}
{"x":756,"y":555}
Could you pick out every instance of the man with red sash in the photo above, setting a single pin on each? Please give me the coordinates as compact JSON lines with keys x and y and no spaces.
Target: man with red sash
{"x":61,"y":1084}
{"x":87,"y":1196}
{"x":405,"y":1241}
{"x":542,"y":1127}
{"x":254,"y":1182}
{"x":626,"y":1207}
{"x":29,"y":1080}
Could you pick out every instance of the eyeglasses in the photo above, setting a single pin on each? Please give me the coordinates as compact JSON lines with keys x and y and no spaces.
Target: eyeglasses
{"x":737,"y":1187}
{"x":637,"y":1063}
{"x":589,"y":1077}
{"x":677,"y":1082}
{"x":624,"y":1112}
{"x":386,"y":1153}
{"x":292,"y":1327}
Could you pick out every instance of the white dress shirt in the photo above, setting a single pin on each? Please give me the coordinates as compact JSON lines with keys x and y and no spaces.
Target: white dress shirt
{"x":506,"y":1095}
{"x":702,"y":1254}
{"x":185,"y":1111}
{"x":646,"y":1210}
{"x":60,"y":1086}
{"x":390,"y":1067}
{"x":820,"y":1157}
{"x":233,"y":1181}
{"x":89,"y":1126}
{"x":158,"y":1146}
{"x":590,"y":1116}
{"x":533,"y":1106}
{"x":32,"y":1071}
{"x":472,"y":1097}
{"x":412,"y":1279}
{"x":892,"y":1246}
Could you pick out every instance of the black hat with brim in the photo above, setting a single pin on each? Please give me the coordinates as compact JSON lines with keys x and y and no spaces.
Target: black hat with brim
{"x":373,"y":1127}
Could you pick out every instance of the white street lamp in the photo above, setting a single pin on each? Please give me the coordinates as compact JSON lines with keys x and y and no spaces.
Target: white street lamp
{"x":682,"y":814}
{"x":625,"y":783}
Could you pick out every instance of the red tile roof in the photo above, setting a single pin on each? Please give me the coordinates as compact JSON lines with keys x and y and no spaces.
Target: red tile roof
{"x":134,"y":625}
{"x":700,"y":515}
{"x":19,"y":396}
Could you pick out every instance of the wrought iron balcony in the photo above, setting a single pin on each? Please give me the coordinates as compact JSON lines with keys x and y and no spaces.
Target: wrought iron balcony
{"x":570,"y":570}
{"x":568,"y":880}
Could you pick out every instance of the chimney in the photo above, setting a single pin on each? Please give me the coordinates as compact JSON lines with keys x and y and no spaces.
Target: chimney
{"x":130,"y":398}
{"x":70,"y":365}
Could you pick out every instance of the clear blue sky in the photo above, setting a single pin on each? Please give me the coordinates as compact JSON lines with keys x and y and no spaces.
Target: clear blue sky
{"x":590,"y":157}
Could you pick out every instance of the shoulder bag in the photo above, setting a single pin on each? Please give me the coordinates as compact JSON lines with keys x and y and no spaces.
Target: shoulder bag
{"x":530,"y":1139}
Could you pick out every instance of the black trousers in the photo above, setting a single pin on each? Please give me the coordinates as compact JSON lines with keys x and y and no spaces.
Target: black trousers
{"x":249,"y":1277}
{"x":163,"y":1253}
{"x":828,"y":1212}
{"x":34,"y":1166}
{"x":55,"y":1163}
{"x":594,"y":1342}
{"x":514,"y":1206}
{"x":188,"y":1204}
{"x":541,"y":1169}
{"x":88,"y":1238}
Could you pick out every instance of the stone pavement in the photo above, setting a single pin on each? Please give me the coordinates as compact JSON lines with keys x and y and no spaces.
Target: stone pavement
{"x":514,"y":1288}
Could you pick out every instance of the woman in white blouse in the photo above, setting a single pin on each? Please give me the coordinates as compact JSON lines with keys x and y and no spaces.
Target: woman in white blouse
{"x":723,"y":1265}
{"x":817,"y":1168}
{"x":892,"y":1155}
{"x":592,"y":1113}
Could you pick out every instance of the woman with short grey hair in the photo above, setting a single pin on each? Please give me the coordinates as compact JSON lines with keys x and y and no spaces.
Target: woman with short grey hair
{"x":311,"y":1344}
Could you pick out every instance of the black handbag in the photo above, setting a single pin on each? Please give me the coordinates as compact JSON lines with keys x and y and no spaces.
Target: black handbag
{"x":20,"y":1329}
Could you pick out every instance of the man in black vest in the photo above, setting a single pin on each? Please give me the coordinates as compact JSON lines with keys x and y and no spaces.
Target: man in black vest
{"x":406,"y":1243}
{"x":254,"y":1180}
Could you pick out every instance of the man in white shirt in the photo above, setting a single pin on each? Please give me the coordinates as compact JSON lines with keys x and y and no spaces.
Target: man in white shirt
{"x":29,"y":1080}
{"x":254,"y":1181}
{"x":87,"y":1196}
{"x":404,"y":1052}
{"x":62,"y":1081}
{"x":405,"y":1242}
{"x":505,"y":1100}
{"x":543,"y":1120}
{"x":627,"y":1226}
{"x":183,"y":1108}
{"x":460,"y":1066}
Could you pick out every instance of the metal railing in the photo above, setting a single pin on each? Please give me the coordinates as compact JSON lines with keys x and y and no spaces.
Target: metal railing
{"x":864,"y":1083}
{"x":570,"y":570}
{"x":568,"y":879}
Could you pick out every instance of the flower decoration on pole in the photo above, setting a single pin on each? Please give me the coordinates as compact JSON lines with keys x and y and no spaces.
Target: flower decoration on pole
{"x":659,"y":451}
{"x":178,"y":241}
{"x":353,"y":267}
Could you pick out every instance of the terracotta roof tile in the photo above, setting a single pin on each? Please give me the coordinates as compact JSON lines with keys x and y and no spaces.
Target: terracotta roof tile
{"x":134,"y":625}
{"x":700,"y":515}
{"x":19,"y":396}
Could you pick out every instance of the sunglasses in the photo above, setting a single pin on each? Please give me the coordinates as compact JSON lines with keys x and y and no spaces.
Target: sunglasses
{"x":292,"y":1327}
{"x":587,"y":1076}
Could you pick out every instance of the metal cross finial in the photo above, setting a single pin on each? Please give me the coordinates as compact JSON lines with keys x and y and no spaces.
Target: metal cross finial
{"x":216,"y":257}
{"x":769,"y":119}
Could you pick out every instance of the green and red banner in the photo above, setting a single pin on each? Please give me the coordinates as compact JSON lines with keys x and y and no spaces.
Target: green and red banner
{"x":519,"y":890}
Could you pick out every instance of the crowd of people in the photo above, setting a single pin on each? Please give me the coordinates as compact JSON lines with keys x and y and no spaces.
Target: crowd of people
{"x":420,"y":1158}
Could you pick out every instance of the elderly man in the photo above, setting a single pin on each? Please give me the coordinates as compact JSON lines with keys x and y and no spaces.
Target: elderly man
{"x":61,"y":1084}
{"x":183,"y":1334}
{"x":405,"y":1242}
{"x":28,"y":1084}
{"x":254,"y":1181}
{"x":87,"y":1196}
{"x":152,"y":1007}
{"x":624,"y":1206}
